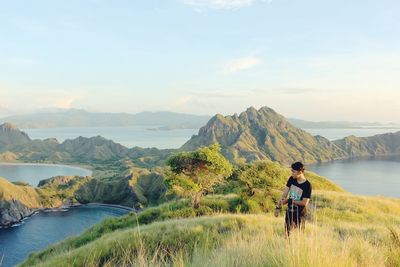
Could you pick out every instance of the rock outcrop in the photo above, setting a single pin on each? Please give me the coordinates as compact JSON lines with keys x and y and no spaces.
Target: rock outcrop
{"x":12,"y":212}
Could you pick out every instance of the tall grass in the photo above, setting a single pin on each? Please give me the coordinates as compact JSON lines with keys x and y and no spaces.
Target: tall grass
{"x":345,"y":230}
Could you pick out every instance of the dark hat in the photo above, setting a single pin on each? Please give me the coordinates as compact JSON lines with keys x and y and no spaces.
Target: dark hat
{"x":298,"y":166}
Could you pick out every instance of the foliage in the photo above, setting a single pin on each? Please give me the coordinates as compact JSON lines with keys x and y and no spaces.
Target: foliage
{"x":195,"y":173}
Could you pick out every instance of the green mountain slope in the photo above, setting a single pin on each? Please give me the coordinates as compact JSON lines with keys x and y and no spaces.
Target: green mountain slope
{"x":265,"y":134}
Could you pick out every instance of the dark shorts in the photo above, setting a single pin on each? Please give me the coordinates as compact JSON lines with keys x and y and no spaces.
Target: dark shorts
{"x":293,"y":219}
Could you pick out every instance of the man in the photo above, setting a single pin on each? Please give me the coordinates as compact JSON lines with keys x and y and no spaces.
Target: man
{"x":299,"y":190}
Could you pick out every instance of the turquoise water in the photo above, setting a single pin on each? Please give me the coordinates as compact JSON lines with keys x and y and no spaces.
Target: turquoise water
{"x":33,"y":173}
{"x":372,"y":176}
{"x":43,"y":229}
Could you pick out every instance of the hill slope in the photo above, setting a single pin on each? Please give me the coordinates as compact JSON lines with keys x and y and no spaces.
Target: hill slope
{"x":260,"y":134}
{"x":346,"y":230}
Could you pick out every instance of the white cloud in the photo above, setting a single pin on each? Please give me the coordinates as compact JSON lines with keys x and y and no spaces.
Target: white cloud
{"x":241,"y":64}
{"x":219,"y":4}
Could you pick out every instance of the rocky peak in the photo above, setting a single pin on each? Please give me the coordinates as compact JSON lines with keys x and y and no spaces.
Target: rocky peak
{"x":10,"y":134}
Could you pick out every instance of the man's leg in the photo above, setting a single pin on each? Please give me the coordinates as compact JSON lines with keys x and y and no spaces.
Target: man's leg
{"x":290,"y":222}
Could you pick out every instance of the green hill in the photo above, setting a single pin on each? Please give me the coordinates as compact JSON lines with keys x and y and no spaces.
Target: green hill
{"x":345,"y":230}
{"x":10,"y":135}
{"x":18,"y":200}
{"x":260,"y":134}
{"x":265,"y":134}
{"x":133,"y":188}
{"x":253,"y":135}
{"x":15,"y":145}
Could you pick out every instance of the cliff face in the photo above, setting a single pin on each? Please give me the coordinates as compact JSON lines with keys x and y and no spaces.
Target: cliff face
{"x":12,"y":211}
{"x":19,"y":201}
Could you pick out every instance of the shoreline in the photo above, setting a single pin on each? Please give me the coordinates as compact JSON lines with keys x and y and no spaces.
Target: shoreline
{"x":64,"y":209}
{"x":47,"y":164}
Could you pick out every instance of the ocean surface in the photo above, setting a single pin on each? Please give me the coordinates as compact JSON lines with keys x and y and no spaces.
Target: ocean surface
{"x":45,"y":228}
{"x":142,"y":136}
{"x":371,"y":176}
{"x":146,"y":136}
{"x":33,"y":173}
{"x":334,"y":134}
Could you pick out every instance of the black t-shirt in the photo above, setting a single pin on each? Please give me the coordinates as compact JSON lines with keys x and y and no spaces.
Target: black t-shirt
{"x":298,"y":191}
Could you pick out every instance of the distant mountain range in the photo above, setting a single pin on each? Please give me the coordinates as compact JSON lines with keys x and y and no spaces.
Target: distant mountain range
{"x":161,"y":120}
{"x":252,"y":135}
{"x":82,"y":118}
{"x":16,"y":145}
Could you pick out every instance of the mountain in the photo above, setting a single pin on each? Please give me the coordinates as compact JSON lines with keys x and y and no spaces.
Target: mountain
{"x":16,"y":145}
{"x":82,"y":118}
{"x":97,"y":148}
{"x":252,"y":135}
{"x":259,"y":134}
{"x":377,"y":145}
{"x":11,"y":135}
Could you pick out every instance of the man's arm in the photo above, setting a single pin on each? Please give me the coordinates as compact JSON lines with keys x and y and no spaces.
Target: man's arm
{"x":283,"y":199}
{"x":303,"y":202}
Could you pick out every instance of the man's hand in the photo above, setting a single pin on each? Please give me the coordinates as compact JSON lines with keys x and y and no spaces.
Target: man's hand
{"x":276,"y":213}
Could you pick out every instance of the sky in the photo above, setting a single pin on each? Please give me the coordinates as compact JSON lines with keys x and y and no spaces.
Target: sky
{"x":314,"y":60}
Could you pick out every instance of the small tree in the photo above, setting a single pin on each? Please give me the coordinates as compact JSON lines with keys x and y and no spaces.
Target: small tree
{"x":196,"y":172}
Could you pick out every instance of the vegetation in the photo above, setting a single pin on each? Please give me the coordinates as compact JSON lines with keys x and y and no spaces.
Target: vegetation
{"x":196,"y":173}
{"x":156,"y":237}
{"x":133,"y":187}
{"x":52,"y":193}
{"x":200,"y":210}
{"x":264,"y":134}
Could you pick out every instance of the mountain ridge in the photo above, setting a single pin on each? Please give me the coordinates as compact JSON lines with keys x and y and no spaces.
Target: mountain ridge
{"x":264,"y":134}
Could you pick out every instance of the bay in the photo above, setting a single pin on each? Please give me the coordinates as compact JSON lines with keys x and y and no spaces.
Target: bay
{"x":33,"y":173}
{"x":46,"y":228}
{"x":368,"y":176}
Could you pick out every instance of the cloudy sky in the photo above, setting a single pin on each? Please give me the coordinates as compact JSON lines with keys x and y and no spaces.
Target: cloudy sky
{"x":311,"y":59}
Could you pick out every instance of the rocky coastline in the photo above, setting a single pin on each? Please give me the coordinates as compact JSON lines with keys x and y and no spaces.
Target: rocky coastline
{"x":17,"y":213}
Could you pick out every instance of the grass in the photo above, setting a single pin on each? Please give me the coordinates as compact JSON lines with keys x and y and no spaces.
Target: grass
{"x":345,"y":230}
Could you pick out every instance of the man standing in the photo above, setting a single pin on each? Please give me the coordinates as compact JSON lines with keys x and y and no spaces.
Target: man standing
{"x":299,"y":190}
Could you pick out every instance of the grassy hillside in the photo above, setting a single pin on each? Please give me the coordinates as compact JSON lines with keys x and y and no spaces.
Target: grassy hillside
{"x":345,"y":230}
{"x":133,"y":187}
{"x":27,"y":195}
{"x":265,"y":134}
